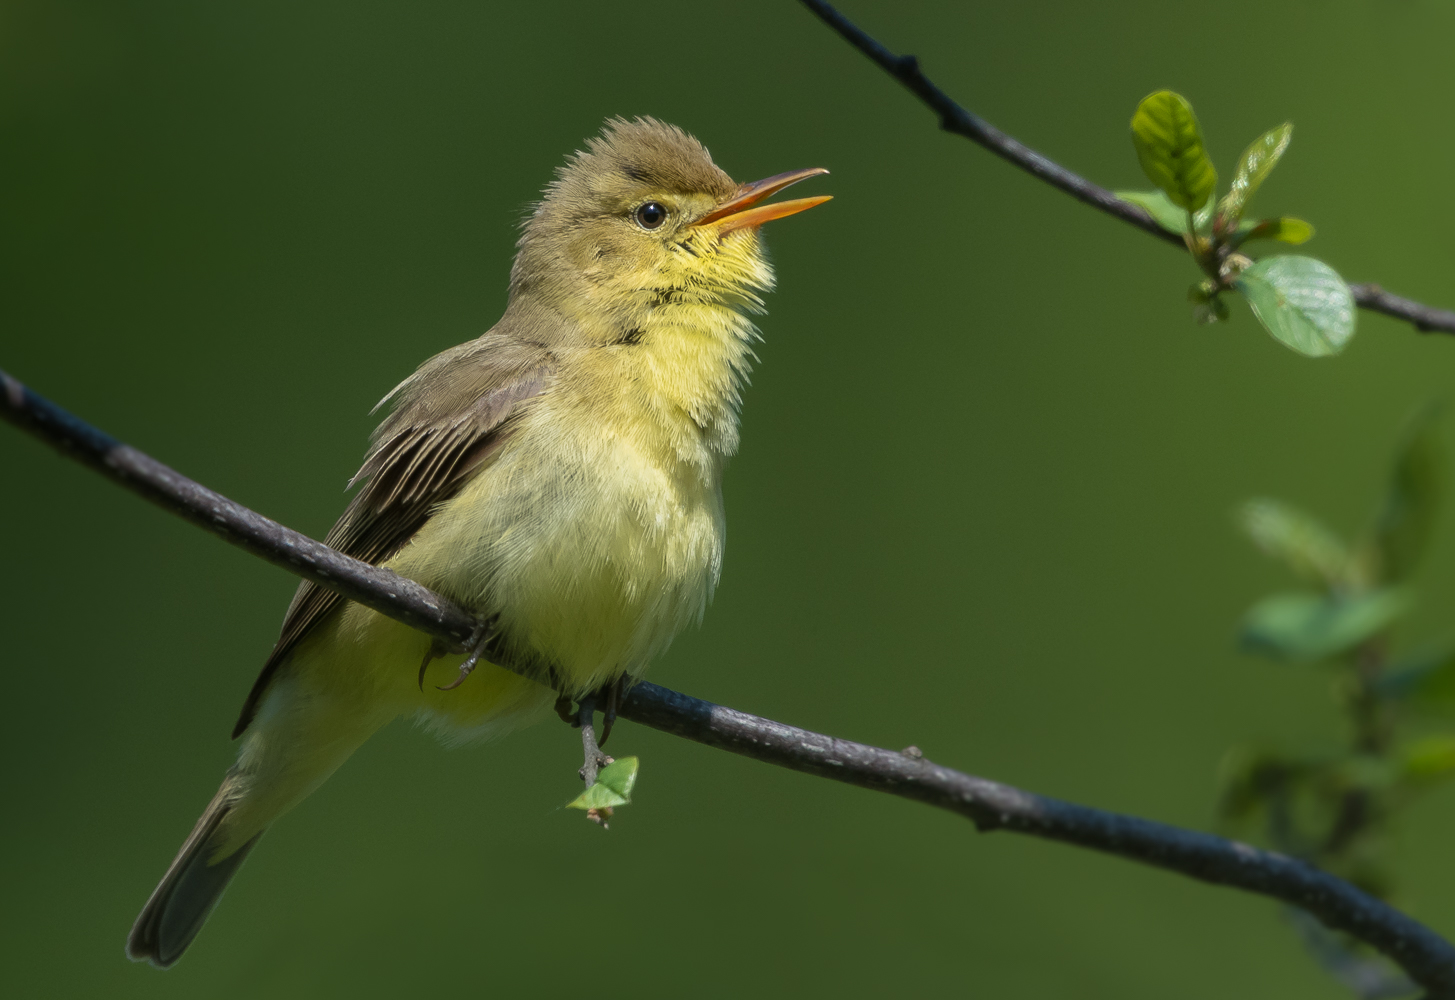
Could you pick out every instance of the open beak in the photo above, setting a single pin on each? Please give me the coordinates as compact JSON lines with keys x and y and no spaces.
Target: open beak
{"x":738,"y":211}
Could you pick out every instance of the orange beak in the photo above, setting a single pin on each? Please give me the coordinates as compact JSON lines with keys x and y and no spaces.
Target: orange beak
{"x":738,"y":211}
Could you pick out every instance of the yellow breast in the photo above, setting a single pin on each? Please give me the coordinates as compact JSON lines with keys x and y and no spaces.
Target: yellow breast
{"x":596,"y":534}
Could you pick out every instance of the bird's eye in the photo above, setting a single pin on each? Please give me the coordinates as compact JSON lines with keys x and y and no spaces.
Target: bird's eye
{"x":651,"y":215}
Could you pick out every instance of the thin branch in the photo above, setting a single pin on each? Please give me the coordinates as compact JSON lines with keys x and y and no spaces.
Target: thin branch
{"x":956,"y":119}
{"x":593,"y":759}
{"x":385,"y":592}
{"x":1426,"y":319}
{"x":1428,"y":958}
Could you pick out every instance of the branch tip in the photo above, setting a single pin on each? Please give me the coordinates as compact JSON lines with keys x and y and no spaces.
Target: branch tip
{"x":957,"y":119}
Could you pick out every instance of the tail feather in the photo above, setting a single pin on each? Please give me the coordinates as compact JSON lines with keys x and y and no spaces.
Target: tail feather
{"x":190,"y":889}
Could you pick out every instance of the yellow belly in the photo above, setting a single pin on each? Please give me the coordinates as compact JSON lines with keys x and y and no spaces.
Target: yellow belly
{"x":593,"y":560}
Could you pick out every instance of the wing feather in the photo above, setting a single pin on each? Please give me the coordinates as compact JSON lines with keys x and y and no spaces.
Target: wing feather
{"x":448,"y":418}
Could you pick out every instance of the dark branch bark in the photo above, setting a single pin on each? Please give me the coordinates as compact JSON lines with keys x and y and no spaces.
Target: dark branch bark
{"x":385,"y":592}
{"x":956,"y":119}
{"x":1428,"y":958}
{"x":1426,"y":319}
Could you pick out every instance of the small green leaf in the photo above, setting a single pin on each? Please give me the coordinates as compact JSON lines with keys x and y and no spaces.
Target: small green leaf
{"x":1367,"y":772}
{"x":1170,"y":148}
{"x":1297,"y":539}
{"x":620,"y":776}
{"x":1166,"y":214}
{"x":1257,"y":163}
{"x":1303,"y":626}
{"x":1425,"y":679}
{"x":613,"y":786}
{"x":1286,"y":230}
{"x":1301,"y":301}
{"x":596,"y":797}
{"x":1427,"y":761}
{"x":1406,"y":517}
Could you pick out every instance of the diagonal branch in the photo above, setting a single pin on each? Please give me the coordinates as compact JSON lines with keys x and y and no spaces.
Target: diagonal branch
{"x":956,"y":119}
{"x":1428,"y":958}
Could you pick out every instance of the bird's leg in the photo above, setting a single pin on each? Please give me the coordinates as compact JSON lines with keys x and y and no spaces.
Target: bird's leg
{"x":614,"y":692}
{"x":477,"y":649}
{"x":434,"y":652}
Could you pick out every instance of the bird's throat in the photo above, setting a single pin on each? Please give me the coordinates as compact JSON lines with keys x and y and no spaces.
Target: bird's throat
{"x":683,"y":376}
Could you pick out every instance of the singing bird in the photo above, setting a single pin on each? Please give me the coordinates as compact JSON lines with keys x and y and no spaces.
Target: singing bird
{"x":560,"y":476}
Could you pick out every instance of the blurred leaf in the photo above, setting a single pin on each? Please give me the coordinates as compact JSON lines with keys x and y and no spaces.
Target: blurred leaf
{"x":1426,"y":680}
{"x":613,"y":786}
{"x":1297,"y":539}
{"x":1257,"y":163}
{"x":1305,"y":626}
{"x":1168,"y":215}
{"x":1427,"y":761}
{"x":1366,"y":772}
{"x":1301,"y":301}
{"x":1406,"y":518}
{"x":1212,"y":311}
{"x":1248,"y":776}
{"x":1285,"y":230}
{"x":1170,"y":148}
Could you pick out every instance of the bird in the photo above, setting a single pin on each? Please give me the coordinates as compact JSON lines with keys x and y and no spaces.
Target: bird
{"x":559,"y":476}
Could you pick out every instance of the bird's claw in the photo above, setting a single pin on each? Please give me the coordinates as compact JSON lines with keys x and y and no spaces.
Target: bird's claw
{"x":613,"y":702}
{"x":471,"y":661}
{"x":434,"y":652}
{"x":563,"y":709}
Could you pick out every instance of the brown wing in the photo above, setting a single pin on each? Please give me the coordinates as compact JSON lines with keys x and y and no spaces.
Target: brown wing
{"x":448,"y":419}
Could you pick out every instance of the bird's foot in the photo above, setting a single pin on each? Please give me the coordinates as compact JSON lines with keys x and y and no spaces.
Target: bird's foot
{"x":477,"y":650}
{"x":563,"y":709}
{"x":614,"y":692}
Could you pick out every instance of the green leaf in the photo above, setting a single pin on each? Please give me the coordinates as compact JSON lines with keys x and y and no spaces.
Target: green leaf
{"x":613,"y":786}
{"x":1406,"y":518}
{"x":1167,"y":215}
{"x":1297,"y":539}
{"x":1367,"y":772}
{"x":1286,"y":230}
{"x":1425,"y":680}
{"x":1302,"y":626}
{"x":1170,"y":148}
{"x":1257,"y":163}
{"x":1301,"y":301}
{"x":1427,"y":761}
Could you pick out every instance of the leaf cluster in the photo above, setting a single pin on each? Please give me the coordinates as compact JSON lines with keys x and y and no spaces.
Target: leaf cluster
{"x":1300,"y":300}
{"x":1334,"y":808}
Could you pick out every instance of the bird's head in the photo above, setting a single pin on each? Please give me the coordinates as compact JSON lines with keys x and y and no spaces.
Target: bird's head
{"x":644,"y":217}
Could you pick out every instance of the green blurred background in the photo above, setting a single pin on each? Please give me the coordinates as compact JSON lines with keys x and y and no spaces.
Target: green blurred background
{"x":983,"y":503}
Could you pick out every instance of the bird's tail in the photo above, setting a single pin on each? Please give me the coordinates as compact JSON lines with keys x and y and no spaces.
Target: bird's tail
{"x":191,"y":888}
{"x":336,"y":690}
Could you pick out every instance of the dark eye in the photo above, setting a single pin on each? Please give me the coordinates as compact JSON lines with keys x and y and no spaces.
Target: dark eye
{"x":651,"y":215}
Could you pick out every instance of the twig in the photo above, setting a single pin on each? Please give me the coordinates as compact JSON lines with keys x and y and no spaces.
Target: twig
{"x":1426,"y":319}
{"x":1428,"y":958}
{"x":956,"y":119}
{"x":590,"y":751}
